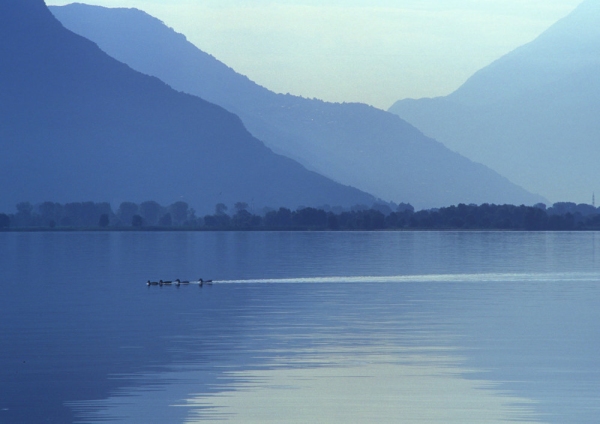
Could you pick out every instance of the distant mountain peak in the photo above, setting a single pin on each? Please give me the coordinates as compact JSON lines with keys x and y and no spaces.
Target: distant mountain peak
{"x":582,"y":25}
{"x":567,"y":46}
{"x":531,"y":114}
{"x":18,"y":15}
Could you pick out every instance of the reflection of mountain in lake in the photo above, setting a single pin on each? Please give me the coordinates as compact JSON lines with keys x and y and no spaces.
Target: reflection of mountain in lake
{"x":351,"y":143}
{"x":75,"y":124}
{"x":532,"y":115}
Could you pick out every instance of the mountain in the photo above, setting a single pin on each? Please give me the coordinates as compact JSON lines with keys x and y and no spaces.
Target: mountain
{"x":76,"y":124}
{"x":353,"y":143}
{"x":532,"y":115}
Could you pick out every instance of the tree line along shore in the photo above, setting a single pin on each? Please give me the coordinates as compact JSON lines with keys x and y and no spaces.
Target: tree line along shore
{"x":150,"y":215}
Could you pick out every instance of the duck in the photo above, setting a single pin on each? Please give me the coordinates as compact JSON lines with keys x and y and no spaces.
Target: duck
{"x":161,"y":282}
{"x":205,"y":282}
{"x":152,"y":283}
{"x":182,"y":282}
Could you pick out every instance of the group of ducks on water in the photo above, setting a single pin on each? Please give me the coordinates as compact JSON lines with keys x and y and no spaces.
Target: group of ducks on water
{"x":178,"y":282}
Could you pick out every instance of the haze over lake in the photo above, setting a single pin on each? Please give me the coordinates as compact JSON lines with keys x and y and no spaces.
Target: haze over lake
{"x":414,"y":327}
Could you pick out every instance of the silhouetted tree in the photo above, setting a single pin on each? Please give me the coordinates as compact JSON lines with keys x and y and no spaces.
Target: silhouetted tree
{"x":562,"y":208}
{"x":72,"y":214}
{"x":220,"y":219}
{"x":165,"y":220}
{"x":217,"y":221}
{"x":241,"y":206}
{"x":24,"y":208}
{"x":383,"y":208}
{"x":560,"y":217}
{"x":4,"y":220}
{"x":535,"y":219}
{"x":103,"y":221}
{"x":405,"y":207}
{"x":244,"y":219}
{"x":310,"y":218}
{"x":150,"y":211}
{"x":586,"y":210}
{"x":89,"y":215}
{"x":192,"y":218}
{"x":593,"y":222}
{"x":137,"y":221}
{"x":179,"y":212}
{"x":50,"y":213}
{"x":281,"y":218}
{"x":24,"y":216}
{"x":373,"y":220}
{"x":332,"y":222}
{"x":103,"y":208}
{"x":126,"y":212}
{"x":210,"y":221}
{"x":220,"y":209}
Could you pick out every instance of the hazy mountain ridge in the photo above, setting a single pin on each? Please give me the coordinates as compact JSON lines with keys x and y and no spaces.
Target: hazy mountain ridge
{"x":75,"y":124}
{"x":352,"y":143}
{"x":566,"y":47}
{"x":532,"y":114}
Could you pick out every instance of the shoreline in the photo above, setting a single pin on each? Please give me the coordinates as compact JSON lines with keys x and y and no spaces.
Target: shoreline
{"x":285,"y":230}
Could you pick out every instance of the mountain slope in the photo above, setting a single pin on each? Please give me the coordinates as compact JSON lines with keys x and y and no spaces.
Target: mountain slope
{"x":75,"y":124}
{"x":351,"y":143}
{"x":532,"y":114}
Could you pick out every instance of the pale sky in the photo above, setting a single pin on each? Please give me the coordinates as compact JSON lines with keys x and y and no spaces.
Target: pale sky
{"x":370,"y":51}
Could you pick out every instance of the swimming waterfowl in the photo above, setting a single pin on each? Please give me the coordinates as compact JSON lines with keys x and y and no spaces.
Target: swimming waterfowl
{"x":177,"y":282}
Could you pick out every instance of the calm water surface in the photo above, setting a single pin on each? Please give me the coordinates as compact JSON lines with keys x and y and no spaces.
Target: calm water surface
{"x":422,"y":327}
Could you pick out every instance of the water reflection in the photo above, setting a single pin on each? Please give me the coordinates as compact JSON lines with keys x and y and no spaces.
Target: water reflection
{"x":360,"y":389}
{"x":302,"y":327}
{"x":375,"y":353}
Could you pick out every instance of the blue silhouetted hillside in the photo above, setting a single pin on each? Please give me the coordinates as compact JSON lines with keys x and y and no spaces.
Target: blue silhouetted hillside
{"x":532,"y":115}
{"x":75,"y":124}
{"x":355,"y":144}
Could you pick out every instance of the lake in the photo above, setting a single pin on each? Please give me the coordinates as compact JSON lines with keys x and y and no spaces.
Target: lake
{"x":320,"y":327}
